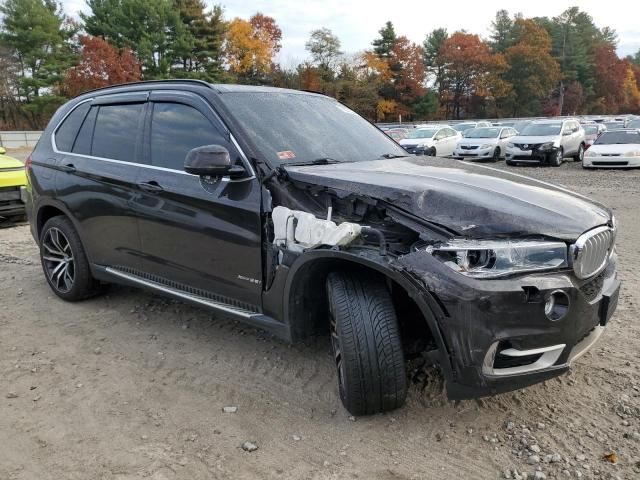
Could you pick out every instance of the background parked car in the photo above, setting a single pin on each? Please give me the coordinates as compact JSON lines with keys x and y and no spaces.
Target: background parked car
{"x":12,"y":182}
{"x":635,"y":123}
{"x":614,"y":149}
{"x":547,"y":141}
{"x":591,"y":132}
{"x":484,"y":143}
{"x":397,"y":133}
{"x":463,"y":127}
{"x":434,"y":141}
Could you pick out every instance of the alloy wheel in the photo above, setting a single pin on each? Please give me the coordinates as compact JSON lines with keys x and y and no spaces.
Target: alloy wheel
{"x":58,"y":260}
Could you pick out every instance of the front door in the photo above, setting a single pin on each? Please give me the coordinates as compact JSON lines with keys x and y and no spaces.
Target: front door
{"x":203,"y":235}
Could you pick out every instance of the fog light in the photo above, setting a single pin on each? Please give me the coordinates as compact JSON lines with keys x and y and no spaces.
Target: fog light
{"x":557,"y":305}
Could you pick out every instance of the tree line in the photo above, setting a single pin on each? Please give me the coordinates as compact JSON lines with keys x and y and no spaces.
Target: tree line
{"x":562,"y":65}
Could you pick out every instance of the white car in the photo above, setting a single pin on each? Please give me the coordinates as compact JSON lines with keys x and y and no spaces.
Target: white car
{"x":438,"y":140}
{"x":465,"y":126}
{"x":614,"y":149}
{"x":484,"y":143}
{"x":547,"y":141}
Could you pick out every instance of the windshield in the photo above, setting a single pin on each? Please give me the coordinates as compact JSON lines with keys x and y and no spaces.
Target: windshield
{"x":303,"y":128}
{"x":461,"y":127}
{"x":634,"y":124}
{"x":482,"y":133}
{"x":612,"y":138}
{"x":519,"y":126}
{"x":590,"y":129}
{"x":541,"y":129}
{"x":614,"y":125}
{"x":422,"y":133}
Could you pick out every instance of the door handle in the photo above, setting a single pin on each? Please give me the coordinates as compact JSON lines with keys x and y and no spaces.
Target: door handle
{"x":151,"y":187}
{"x":68,"y":168}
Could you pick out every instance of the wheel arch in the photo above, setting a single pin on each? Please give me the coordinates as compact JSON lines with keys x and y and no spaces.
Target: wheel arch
{"x":304,"y":296}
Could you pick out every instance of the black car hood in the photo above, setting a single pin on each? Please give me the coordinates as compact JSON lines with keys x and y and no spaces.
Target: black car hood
{"x":473,"y":200}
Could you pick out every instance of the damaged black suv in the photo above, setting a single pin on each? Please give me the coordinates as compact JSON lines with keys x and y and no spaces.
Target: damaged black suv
{"x":289,"y":211}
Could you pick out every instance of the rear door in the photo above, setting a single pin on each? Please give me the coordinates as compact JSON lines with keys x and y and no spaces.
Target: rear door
{"x":202,"y":235}
{"x":97,"y":177}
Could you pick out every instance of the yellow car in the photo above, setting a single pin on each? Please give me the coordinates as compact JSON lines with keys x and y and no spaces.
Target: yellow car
{"x":12,"y":182}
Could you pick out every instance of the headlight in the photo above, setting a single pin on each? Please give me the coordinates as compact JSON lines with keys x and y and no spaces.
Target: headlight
{"x":496,"y":258}
{"x":511,"y":145}
{"x":546,"y":146}
{"x":486,"y":145}
{"x":635,"y":153}
{"x":590,"y":153}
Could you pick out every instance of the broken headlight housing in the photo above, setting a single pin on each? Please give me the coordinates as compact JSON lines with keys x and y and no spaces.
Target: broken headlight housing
{"x":497,"y":258}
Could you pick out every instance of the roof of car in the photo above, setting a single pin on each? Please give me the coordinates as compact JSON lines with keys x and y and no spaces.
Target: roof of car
{"x":217,"y":87}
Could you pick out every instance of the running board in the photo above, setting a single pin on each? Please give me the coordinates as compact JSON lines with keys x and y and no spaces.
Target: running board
{"x":256,"y":319}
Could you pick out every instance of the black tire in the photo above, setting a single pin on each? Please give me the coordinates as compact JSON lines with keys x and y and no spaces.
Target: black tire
{"x":556,"y":158}
{"x":579,"y":156}
{"x":511,"y":163}
{"x":431,"y":152}
{"x":60,"y":245}
{"x":366,"y":343}
{"x":496,"y":155}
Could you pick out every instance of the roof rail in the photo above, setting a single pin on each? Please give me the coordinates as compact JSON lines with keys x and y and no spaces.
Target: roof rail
{"x":145,"y":82}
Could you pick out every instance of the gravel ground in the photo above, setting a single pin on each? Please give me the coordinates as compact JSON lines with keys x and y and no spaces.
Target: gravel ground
{"x":131,"y":385}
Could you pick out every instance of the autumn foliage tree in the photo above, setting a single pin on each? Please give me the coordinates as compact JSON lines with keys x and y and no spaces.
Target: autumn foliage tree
{"x":100,"y":65}
{"x":251,"y":46}
{"x":472,"y":73}
{"x":531,"y":69}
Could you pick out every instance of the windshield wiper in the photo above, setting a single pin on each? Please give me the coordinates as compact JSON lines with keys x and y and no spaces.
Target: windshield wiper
{"x":317,"y":161}
{"x":392,"y":155}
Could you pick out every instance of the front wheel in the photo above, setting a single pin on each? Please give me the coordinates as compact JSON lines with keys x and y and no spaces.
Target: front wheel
{"x":580,"y":155}
{"x":496,"y":154}
{"x":431,"y":152}
{"x":366,"y":343}
{"x":64,"y":261}
{"x":556,"y":158}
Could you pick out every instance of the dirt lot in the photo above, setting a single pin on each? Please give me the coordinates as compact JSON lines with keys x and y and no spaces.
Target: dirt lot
{"x":131,"y":385}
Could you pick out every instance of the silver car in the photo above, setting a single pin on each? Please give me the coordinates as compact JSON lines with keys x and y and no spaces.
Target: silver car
{"x":547,"y":141}
{"x":484,"y":143}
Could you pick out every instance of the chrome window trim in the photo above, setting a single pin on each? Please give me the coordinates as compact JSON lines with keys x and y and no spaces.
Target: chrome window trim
{"x":243,"y":157}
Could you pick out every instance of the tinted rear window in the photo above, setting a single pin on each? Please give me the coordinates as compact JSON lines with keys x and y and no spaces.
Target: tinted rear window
{"x":115,"y":131}
{"x":67,"y":131}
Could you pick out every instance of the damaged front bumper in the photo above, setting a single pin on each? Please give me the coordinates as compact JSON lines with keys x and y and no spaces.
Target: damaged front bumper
{"x":501,"y":335}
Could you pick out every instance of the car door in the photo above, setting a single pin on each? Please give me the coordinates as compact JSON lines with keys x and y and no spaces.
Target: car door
{"x":97,"y":172}
{"x":198,"y":234}
{"x":451,"y":140}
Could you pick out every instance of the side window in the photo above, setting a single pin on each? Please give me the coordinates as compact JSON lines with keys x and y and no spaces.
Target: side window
{"x":82,"y":144}
{"x":115,"y":131}
{"x":177,"y":128}
{"x":440,"y":135}
{"x":67,"y":131}
{"x":451,"y":132}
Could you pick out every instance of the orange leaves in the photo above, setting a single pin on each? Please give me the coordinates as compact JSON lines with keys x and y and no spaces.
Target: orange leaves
{"x":251,"y":45}
{"x":472,"y":72}
{"x":100,"y":65}
{"x":615,"y":81}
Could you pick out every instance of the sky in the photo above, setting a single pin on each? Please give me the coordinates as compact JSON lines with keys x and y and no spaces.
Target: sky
{"x":356,"y":22}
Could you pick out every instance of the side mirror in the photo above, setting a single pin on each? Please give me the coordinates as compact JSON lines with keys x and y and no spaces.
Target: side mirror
{"x":2,"y":151}
{"x":211,"y":161}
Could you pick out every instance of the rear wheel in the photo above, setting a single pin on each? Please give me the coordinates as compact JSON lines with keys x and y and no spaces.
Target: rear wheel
{"x":366,"y":343}
{"x":578,"y":157}
{"x":64,"y":261}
